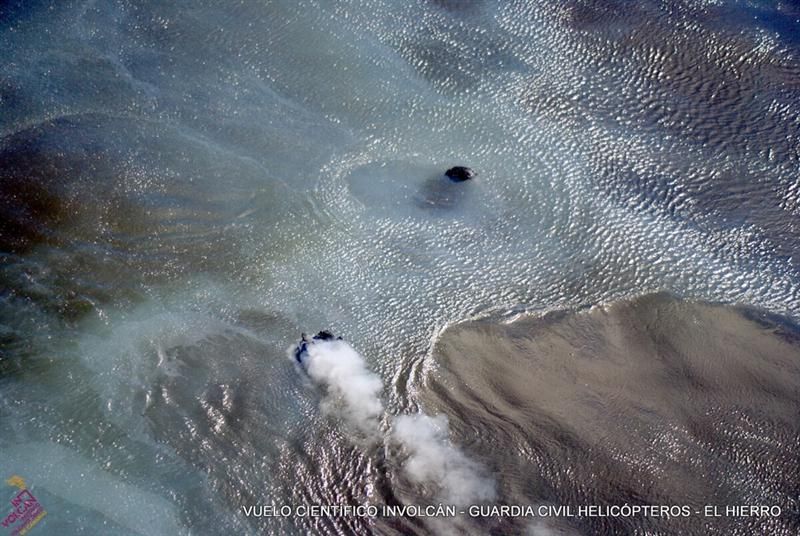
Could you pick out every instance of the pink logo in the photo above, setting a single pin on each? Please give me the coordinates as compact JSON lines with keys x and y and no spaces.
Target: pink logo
{"x":26,"y":510}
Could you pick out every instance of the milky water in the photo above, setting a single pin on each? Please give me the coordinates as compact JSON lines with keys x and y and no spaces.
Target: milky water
{"x":185,"y":188}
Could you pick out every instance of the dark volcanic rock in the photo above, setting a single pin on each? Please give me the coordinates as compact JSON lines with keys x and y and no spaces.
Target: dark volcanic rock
{"x":301,"y":350}
{"x":459,"y":174}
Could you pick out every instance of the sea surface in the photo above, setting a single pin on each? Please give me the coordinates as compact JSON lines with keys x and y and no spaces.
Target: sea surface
{"x":187,"y":186}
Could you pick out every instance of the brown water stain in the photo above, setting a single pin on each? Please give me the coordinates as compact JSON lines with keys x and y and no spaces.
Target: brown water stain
{"x":653,"y":401}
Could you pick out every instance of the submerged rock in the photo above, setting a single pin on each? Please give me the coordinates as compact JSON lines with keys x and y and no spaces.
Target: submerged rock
{"x":439,"y":191}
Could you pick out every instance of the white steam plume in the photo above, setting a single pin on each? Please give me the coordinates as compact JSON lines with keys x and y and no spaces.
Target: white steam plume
{"x":432,"y":458}
{"x":354,"y":391}
{"x":351,"y":385}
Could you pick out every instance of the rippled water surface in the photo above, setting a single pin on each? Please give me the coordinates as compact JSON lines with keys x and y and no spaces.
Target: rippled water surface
{"x":652,"y":401}
{"x":186,"y":186}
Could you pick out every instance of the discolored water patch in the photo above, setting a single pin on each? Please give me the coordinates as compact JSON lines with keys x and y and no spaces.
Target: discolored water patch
{"x":653,"y":401}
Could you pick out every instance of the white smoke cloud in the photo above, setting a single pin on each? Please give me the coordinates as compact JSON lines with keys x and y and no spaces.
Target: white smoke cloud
{"x":353,"y":389}
{"x":354,"y":392}
{"x":432,"y":458}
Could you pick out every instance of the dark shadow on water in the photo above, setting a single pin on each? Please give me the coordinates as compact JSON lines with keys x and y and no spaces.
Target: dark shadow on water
{"x":441,"y":193}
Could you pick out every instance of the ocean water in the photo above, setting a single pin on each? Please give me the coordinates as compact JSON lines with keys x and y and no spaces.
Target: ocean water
{"x":185,"y":187}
